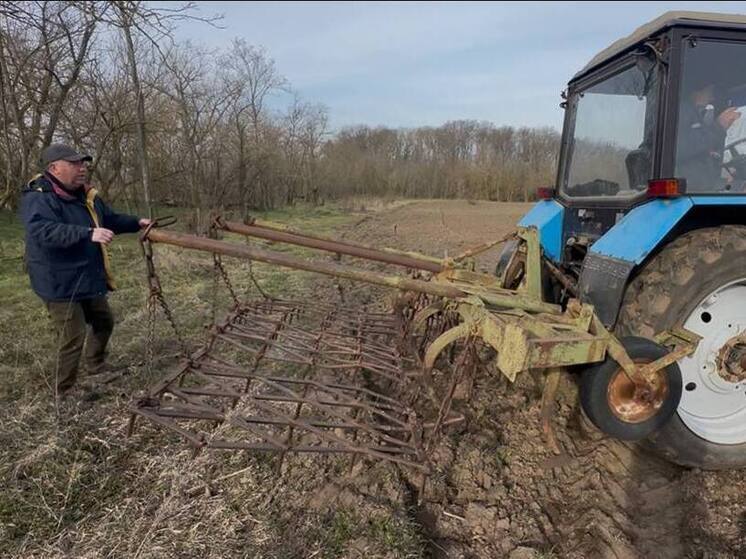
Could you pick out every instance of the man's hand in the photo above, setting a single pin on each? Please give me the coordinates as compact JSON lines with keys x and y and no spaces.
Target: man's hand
{"x":101,"y":235}
{"x":728,"y":117}
{"x":144,"y":222}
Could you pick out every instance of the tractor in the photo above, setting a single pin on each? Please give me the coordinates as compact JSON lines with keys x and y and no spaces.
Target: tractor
{"x":647,"y":223}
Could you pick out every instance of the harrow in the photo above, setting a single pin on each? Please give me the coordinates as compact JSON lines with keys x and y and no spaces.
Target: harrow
{"x":287,"y":376}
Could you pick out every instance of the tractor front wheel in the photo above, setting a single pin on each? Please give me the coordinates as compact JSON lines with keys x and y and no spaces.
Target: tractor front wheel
{"x":622,"y":409}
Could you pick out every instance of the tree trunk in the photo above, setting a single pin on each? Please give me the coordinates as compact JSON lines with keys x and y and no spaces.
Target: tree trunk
{"x":141,"y":138}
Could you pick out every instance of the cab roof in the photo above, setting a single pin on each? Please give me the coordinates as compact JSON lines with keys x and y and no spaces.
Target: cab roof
{"x":669,"y":19}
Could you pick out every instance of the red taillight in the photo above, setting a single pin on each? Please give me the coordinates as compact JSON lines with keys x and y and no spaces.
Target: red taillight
{"x":666,"y":188}
{"x":545,"y":193}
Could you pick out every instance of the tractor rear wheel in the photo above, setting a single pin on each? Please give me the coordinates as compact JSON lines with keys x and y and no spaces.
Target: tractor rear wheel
{"x":699,"y":281}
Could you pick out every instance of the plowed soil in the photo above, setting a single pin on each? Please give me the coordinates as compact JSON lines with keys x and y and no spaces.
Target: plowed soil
{"x":499,"y":492}
{"x":74,"y":486}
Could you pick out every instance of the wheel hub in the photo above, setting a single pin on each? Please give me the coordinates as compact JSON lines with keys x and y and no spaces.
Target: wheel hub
{"x":732,"y":360}
{"x":713,"y":403}
{"x":632,"y":403}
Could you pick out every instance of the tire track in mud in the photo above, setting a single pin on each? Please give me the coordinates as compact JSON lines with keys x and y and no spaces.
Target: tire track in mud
{"x":499,"y":492}
{"x":503,"y":489}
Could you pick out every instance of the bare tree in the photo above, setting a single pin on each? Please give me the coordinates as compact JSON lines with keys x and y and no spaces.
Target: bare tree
{"x":253,"y":76}
{"x":176,"y":124}
{"x":202,"y":103}
{"x":135,"y":18}
{"x":43,"y":48}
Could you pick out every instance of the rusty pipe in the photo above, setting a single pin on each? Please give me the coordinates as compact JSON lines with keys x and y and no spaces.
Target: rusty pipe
{"x":500,"y":298}
{"x":287,"y":261}
{"x":280,"y":227}
{"x":349,"y":249}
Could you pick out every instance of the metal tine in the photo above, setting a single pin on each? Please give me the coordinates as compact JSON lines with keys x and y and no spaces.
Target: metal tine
{"x":237,"y":420}
{"x":339,"y":417}
{"x":323,"y":388}
{"x":339,"y":440}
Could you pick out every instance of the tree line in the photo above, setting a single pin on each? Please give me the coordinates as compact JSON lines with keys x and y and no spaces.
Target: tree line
{"x":172,"y":122}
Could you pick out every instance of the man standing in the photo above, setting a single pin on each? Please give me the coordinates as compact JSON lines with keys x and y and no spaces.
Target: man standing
{"x":67,"y":230}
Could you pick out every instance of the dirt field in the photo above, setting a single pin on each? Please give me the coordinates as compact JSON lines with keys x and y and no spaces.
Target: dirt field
{"x":502,"y":492}
{"x":75,"y":487}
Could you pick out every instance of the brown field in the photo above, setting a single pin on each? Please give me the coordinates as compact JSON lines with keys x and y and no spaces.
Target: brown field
{"x":76,"y":487}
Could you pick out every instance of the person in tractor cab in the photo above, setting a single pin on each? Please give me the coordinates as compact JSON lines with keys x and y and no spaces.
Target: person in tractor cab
{"x":68,"y":228}
{"x":702,"y":133}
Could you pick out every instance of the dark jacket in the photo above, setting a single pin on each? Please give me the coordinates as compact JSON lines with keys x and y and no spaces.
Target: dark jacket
{"x":64,"y":264}
{"x":699,"y":151}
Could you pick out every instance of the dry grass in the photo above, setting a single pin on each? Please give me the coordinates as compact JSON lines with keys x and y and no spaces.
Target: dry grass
{"x":75,"y":486}
{"x":371,"y":204}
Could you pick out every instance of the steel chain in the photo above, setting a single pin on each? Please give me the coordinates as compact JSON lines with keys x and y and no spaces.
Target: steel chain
{"x":214,"y":303}
{"x":156,"y":295}
{"x":253,"y":278}
{"x":150,"y":343}
{"x":219,"y":267}
{"x":256,"y":283}
{"x":169,"y":315}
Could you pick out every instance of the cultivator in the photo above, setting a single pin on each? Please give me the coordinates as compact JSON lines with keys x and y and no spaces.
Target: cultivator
{"x":291,"y":377}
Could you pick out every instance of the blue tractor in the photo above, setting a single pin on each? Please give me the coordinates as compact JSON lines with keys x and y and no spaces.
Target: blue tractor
{"x":647,"y":220}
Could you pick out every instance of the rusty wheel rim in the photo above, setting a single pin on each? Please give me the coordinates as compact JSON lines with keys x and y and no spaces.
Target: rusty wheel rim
{"x":632,"y":404}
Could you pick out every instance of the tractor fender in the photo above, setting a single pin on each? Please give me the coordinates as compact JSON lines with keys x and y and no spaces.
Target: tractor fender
{"x":547,"y":217}
{"x":613,"y":258}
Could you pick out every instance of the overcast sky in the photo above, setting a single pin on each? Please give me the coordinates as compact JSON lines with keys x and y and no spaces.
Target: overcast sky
{"x":424,"y":63}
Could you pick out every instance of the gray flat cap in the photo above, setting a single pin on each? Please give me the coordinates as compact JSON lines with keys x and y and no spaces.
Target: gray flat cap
{"x":55,"y":152}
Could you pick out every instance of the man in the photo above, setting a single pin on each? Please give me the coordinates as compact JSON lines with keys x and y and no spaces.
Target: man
{"x":699,"y":151}
{"x":67,"y":230}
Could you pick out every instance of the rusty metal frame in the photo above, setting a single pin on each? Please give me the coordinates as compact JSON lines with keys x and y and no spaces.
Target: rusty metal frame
{"x":288,"y":376}
{"x":526,"y":331}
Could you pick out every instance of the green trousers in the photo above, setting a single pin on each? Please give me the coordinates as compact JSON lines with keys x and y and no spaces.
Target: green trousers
{"x":86,"y":323}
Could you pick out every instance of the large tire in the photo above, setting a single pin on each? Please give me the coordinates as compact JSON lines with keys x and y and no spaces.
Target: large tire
{"x":670,"y":288}
{"x":596,"y":387}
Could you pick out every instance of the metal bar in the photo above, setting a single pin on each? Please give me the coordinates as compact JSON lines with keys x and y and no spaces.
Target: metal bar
{"x":241,"y":445}
{"x":168,"y":379}
{"x":183,"y":412}
{"x":320,"y":422}
{"x":330,"y":246}
{"x":226,"y":390}
{"x":191,"y":437}
{"x":316,"y":449}
{"x":482,"y":248}
{"x":533,"y":262}
{"x":237,"y":421}
{"x":648,"y":371}
{"x":561,"y":277}
{"x":501,"y":298}
{"x":199,"y":391}
{"x":282,"y":227}
{"x":287,"y":261}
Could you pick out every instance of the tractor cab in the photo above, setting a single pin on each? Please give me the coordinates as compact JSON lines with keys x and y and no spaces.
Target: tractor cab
{"x":664,"y":103}
{"x":658,"y":116}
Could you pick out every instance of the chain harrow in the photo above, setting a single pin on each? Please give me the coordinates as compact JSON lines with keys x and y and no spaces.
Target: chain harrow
{"x":292,"y":377}
{"x":307,"y":376}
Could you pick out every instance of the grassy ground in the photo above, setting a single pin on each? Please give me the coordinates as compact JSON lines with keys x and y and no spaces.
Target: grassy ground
{"x":74,"y":485}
